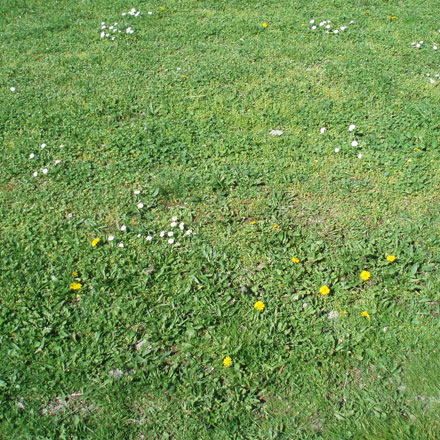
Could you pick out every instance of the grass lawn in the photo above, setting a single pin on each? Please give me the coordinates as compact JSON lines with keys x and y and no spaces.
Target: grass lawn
{"x":170,"y":269}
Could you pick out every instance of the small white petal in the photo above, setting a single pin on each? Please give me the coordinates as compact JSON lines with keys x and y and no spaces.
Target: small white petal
{"x":137,"y":13}
{"x":337,"y":150}
{"x":61,"y":146}
{"x":12,"y":89}
{"x":140,"y":205}
{"x":121,"y":245}
{"x":435,"y":47}
{"x":276,"y":132}
{"x":417,"y":45}
{"x":45,"y":170}
{"x":43,"y":146}
{"x":322,"y":23}
{"x":181,"y":226}
{"x":57,"y":161}
{"x":35,"y":174}
{"x":354,"y":143}
{"x":323,"y":130}
{"x":351,"y":127}
{"x":110,"y":238}
{"x":328,"y":26}
{"x":149,"y":238}
{"x":170,"y":234}
{"x":311,"y":21}
{"x":173,"y":224}
{"x":360,"y":156}
{"x":432,"y":80}
{"x":139,"y":235}
{"x":313,"y":27}
{"x":188,"y":232}
{"x":31,"y":156}
{"x":174,"y":219}
{"x":123,"y":228}
{"x":162,"y":233}
{"x":336,"y":31}
{"x":150,"y":13}
{"x":171,"y":241}
{"x":136,"y":191}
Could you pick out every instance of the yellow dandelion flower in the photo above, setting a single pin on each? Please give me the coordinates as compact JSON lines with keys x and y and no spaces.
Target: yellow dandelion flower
{"x":227,"y":361}
{"x":253,"y":222}
{"x":417,"y":149}
{"x":259,"y":305}
{"x":324,"y":290}
{"x":345,"y":312}
{"x":95,"y":242}
{"x":75,"y":273}
{"x":265,"y":25}
{"x":366,"y":314}
{"x":295,"y":260}
{"x":391,"y":258}
{"x":365,"y":275}
{"x":76,"y":286}
{"x":161,"y":8}
{"x":275,"y":226}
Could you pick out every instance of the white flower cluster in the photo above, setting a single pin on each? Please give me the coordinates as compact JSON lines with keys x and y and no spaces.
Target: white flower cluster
{"x":354,"y":142}
{"x":113,"y":30}
{"x":419,"y":44}
{"x":326,"y":25}
{"x":432,"y":80}
{"x":45,"y":169}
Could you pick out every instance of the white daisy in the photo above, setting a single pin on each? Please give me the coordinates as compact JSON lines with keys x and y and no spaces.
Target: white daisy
{"x":12,"y":89}
{"x":171,"y":241}
{"x":124,"y":14}
{"x":150,"y":13}
{"x":35,"y":174}
{"x":336,"y":31}
{"x":170,"y":234}
{"x":121,"y":245}
{"x":137,"y":13}
{"x":312,"y":21}
{"x":181,"y":226}
{"x":107,"y":35}
{"x":173,"y":224}
{"x":360,"y":156}
{"x":432,"y":80}
{"x":328,"y":26}
{"x":351,"y":22}
{"x":343,"y":28}
{"x":149,"y":238}
{"x":337,"y":150}
{"x":417,"y":45}
{"x":435,"y":47}
{"x":61,"y":146}
{"x":323,"y":130}
{"x":322,"y":23}
{"x":31,"y":156}
{"x":351,"y":127}
{"x":413,"y":43}
{"x":139,"y":235}
{"x":110,"y":238}
{"x":57,"y":161}
{"x":188,"y":232}
{"x":113,"y":38}
{"x":123,"y":228}
{"x":44,"y":170}
{"x":174,"y":219}
{"x":136,"y":191}
{"x":354,"y":143}
{"x":313,"y":27}
{"x":43,"y":146}
{"x":140,"y":205}
{"x":162,"y":233}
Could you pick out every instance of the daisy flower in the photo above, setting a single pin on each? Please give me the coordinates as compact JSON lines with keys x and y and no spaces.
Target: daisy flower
{"x":174,"y":219}
{"x":149,"y":238}
{"x":140,"y":205}
{"x":337,"y":150}
{"x":181,"y":226}
{"x":110,"y":238}
{"x":35,"y":174}
{"x":136,"y":191}
{"x":351,"y":127}
{"x":12,"y":89}
{"x":323,"y":130}
{"x":43,"y":146}
{"x":360,"y":156}
{"x":123,"y":228}
{"x":188,"y":232}
{"x":44,"y":170}
{"x":354,"y":143}
{"x":170,"y":234}
{"x":171,"y":241}
{"x":162,"y":233}
{"x":121,"y":245}
{"x":173,"y":224}
{"x":31,"y":156}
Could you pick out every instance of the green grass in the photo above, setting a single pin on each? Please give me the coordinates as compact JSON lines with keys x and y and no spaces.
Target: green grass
{"x":181,"y":110}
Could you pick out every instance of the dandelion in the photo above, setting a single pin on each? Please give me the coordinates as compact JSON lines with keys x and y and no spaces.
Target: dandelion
{"x":31,"y":156}
{"x":12,"y":89}
{"x":123,"y":228}
{"x":140,"y":205}
{"x":275,"y":226}
{"x":259,"y":305}
{"x":161,"y":8}
{"x":121,"y":245}
{"x":366,"y":314}
{"x":354,"y":143}
{"x":149,"y":238}
{"x":337,"y":150}
{"x":295,"y":260}
{"x":265,"y":25}
{"x":95,"y":242}
{"x":391,"y":258}
{"x":365,"y":275}
{"x":75,"y":273}
{"x":253,"y":222}
{"x":171,"y":241}
{"x":323,"y":130}
{"x":324,"y":290}
{"x":110,"y":238}
{"x":227,"y":361}
{"x":181,"y":226}
{"x":351,"y":127}
{"x":75,"y":286}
